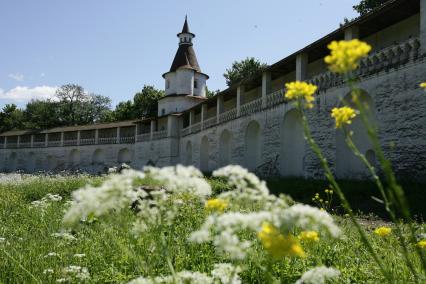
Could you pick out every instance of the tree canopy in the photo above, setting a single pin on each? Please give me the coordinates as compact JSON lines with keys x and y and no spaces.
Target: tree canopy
{"x":144,"y":104}
{"x":366,"y":6}
{"x":243,"y":69}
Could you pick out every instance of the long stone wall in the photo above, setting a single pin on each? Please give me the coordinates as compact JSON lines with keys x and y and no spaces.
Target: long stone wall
{"x":269,"y":140}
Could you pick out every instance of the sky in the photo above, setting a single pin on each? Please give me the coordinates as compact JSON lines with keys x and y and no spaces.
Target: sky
{"x":114,"y":47}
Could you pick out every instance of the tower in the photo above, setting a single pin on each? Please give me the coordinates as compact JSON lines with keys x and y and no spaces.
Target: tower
{"x":185,"y":84}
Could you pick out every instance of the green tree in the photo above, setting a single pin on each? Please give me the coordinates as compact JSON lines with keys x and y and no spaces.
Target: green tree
{"x":366,"y":6}
{"x":124,"y":111}
{"x":11,"y":117}
{"x":77,"y":107}
{"x":42,"y":114}
{"x":243,"y":69}
{"x":210,"y":94}
{"x":146,"y":101}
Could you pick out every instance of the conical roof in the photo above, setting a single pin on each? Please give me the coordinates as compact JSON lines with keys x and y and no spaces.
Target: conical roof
{"x":185,"y":56}
{"x":185,"y":28}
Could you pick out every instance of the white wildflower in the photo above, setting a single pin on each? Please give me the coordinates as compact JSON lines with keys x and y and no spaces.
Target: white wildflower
{"x":223,"y":230}
{"x":81,"y":273}
{"x":48,"y":271}
{"x":226,"y":273}
{"x":307,"y":217}
{"x":248,"y":191}
{"x":65,"y":236}
{"x":46,"y":201}
{"x":318,"y":275}
{"x":181,"y":179}
{"x":117,"y":192}
{"x":51,"y":254}
{"x":62,"y":280}
{"x":79,"y":255}
{"x":182,"y":277}
{"x":2,"y":240}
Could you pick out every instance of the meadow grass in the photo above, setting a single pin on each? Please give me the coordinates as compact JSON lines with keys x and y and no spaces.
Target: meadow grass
{"x":113,"y":255}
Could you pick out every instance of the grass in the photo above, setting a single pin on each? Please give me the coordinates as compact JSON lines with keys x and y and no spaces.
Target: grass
{"x":114,"y":255}
{"x":362,"y":195}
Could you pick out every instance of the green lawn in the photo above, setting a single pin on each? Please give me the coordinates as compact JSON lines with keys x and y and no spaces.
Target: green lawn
{"x":111,"y":253}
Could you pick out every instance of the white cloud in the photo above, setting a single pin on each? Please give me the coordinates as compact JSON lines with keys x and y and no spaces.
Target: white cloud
{"x":24,"y":94}
{"x":17,"y":77}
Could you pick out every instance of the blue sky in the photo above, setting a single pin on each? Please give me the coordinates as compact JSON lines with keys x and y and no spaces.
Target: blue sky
{"x":114,"y":47}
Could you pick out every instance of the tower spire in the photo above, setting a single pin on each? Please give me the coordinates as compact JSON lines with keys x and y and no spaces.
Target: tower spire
{"x":185,"y":36}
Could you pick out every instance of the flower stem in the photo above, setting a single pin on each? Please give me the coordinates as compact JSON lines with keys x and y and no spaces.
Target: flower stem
{"x":329,"y":175}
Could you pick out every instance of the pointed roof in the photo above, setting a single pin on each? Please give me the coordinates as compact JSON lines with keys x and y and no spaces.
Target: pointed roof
{"x":185,"y":28}
{"x":185,"y":58}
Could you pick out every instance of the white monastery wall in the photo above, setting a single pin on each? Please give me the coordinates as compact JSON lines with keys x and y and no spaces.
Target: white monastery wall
{"x":258,"y":129}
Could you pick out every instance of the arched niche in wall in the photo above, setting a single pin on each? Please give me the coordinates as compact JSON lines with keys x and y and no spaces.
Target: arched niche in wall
{"x":292,"y":145}
{"x":204,"y":154}
{"x":13,"y":162}
{"x":347,"y":164}
{"x":51,"y":163}
{"x":74,"y":158}
{"x":124,"y":156}
{"x":225,"y":148}
{"x":31,"y":163}
{"x":252,"y":145}
{"x":98,"y":157}
{"x":188,"y":153}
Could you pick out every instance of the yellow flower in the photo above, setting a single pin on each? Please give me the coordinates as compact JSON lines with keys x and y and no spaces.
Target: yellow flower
{"x":343,"y":115}
{"x":383,"y":231}
{"x":301,"y":90}
{"x":422,"y":244}
{"x":423,"y":85}
{"x":309,"y":236}
{"x":216,"y":205}
{"x":345,"y":55}
{"x":277,"y":244}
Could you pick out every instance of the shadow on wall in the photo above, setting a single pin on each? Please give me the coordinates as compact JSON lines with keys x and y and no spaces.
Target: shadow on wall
{"x":188,"y":156}
{"x":124,"y":156}
{"x":225,"y":148}
{"x":204,"y":154}
{"x":252,"y":144}
{"x":347,"y":164}
{"x":293,"y":145}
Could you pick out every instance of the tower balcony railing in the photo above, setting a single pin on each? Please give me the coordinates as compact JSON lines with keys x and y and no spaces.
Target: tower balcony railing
{"x":107,"y":140}
{"x":143,"y":137}
{"x":159,"y":134}
{"x":185,"y":131}
{"x":251,"y":107}
{"x":196,"y":127}
{"x":39,"y":144}
{"x":24,"y":144}
{"x":228,"y":115}
{"x":209,"y":122}
{"x":87,"y":141}
{"x":384,"y":59}
{"x":275,"y":98}
{"x":13,"y":145}
{"x":70,"y":142}
{"x":127,"y":139}
{"x":54,"y":143}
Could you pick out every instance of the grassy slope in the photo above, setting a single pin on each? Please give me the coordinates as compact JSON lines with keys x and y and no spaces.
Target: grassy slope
{"x":114,"y":255}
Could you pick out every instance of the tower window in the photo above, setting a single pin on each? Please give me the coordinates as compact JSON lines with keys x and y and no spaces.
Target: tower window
{"x":167,"y":83}
{"x":163,"y":111}
{"x":195,"y":84}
